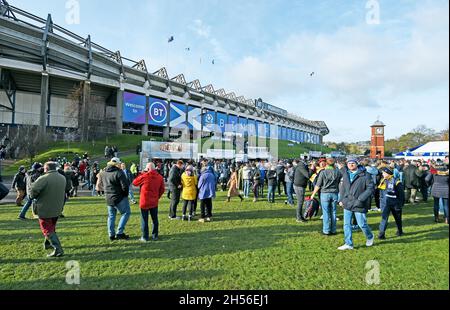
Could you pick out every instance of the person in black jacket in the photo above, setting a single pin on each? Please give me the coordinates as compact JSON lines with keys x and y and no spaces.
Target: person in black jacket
{"x":175,"y":188}
{"x":301,"y":177}
{"x":116,"y":192}
{"x":280,"y":177}
{"x":392,"y":199}
{"x":355,"y":192}
{"x":20,"y":185}
{"x":271,"y":183}
{"x":412,"y":174}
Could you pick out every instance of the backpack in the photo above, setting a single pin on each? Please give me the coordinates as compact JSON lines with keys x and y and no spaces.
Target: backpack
{"x":4,"y":191}
{"x":311,"y":208}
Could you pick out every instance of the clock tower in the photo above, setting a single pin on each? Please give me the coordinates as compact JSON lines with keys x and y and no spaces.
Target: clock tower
{"x":377,"y":141}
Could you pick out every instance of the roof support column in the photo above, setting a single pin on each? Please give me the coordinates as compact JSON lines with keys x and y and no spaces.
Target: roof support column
{"x":84,"y":126}
{"x":119,"y":111}
{"x":147,"y":108}
{"x":44,"y":102}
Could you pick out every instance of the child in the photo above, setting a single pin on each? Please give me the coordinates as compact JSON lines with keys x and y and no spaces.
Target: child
{"x":392,"y":199}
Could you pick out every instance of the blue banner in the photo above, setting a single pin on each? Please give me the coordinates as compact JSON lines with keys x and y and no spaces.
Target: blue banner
{"x":242,"y":127}
{"x":260,"y":132}
{"x":279,"y":133}
{"x":133,"y":108}
{"x":302,"y":137}
{"x":209,"y":120}
{"x":177,"y":115}
{"x":283,"y":133}
{"x":233,"y":122}
{"x":267,"y":130}
{"x":158,"y":112}
{"x":274,"y":132}
{"x":194,"y":118}
{"x":251,"y":128}
{"x":289,"y":134}
{"x":222,"y":120}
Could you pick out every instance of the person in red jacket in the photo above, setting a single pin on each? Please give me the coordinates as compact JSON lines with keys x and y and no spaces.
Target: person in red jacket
{"x":152,"y":189}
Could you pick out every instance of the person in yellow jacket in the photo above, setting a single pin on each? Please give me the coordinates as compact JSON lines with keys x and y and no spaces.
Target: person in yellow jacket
{"x":189,"y":183}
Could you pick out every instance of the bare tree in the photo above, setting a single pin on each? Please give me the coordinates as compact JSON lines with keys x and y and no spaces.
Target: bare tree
{"x":91,"y":116}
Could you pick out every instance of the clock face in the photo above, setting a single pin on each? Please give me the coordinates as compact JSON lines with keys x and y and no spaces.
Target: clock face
{"x":379,"y":131}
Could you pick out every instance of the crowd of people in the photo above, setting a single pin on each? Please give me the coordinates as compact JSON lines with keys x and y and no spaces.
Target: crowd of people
{"x":350,"y":183}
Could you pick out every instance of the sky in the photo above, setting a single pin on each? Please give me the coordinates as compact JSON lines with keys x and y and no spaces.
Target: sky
{"x":371,"y":58}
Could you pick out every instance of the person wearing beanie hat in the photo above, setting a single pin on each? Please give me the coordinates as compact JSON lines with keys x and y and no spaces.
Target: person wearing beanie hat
{"x":356,"y":189}
{"x":392,"y":199}
{"x":116,"y":187}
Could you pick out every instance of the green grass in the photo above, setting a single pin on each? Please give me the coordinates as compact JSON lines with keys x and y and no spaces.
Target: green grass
{"x":248,"y":246}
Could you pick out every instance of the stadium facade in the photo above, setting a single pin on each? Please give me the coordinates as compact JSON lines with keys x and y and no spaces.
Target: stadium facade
{"x":44,"y":66}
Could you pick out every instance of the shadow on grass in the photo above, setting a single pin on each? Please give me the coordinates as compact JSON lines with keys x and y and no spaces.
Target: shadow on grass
{"x":184,"y":245}
{"x":437,"y":233}
{"x":167,"y":280}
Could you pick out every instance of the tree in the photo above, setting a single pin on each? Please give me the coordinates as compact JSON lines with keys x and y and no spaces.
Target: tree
{"x":90,"y":111}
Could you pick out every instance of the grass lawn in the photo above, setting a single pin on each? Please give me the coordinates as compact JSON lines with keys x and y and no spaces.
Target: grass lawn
{"x":247,"y":246}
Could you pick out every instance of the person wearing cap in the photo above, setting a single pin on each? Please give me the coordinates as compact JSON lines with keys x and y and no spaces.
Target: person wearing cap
{"x":20,"y":185}
{"x":49,"y":193}
{"x":439,"y":190}
{"x":152,"y":188}
{"x":354,"y":196}
{"x":116,"y":188}
{"x":36,"y":171}
{"x":392,"y":199}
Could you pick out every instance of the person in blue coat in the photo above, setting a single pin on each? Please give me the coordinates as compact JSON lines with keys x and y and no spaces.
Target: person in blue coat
{"x":206,"y":192}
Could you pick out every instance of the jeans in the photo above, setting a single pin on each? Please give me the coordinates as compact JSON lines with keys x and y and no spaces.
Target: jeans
{"x":437,"y":206}
{"x":124,"y":208}
{"x":174,"y":201}
{"x":131,"y":194}
{"x":144,"y":223}
{"x":385,"y":212}
{"x":329,"y":204}
{"x":361,"y":218}
{"x":300,"y":192}
{"x":246,"y":188}
{"x":271,"y":194}
{"x":25,"y":208}
{"x":290,"y":190}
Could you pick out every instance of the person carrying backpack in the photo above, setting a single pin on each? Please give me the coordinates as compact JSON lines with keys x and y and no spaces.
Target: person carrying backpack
{"x":392,"y":199}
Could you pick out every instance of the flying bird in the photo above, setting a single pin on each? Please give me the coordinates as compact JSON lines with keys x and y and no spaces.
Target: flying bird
{"x":312,"y":74}
{"x":171,"y":39}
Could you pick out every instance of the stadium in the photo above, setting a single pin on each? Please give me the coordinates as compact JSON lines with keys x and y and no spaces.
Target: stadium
{"x":59,"y":81}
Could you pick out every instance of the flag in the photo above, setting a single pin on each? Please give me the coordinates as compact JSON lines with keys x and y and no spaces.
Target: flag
{"x":170,"y":39}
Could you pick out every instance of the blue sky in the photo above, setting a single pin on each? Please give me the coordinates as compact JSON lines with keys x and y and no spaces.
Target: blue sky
{"x":397,"y":69}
